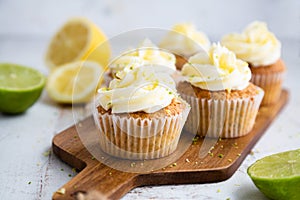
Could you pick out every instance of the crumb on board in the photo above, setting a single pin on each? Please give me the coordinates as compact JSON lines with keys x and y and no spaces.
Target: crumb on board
{"x":196,"y":139}
{"x":132,"y":164}
{"x":235,"y":145}
{"x":61,"y":191}
{"x":173,"y":165}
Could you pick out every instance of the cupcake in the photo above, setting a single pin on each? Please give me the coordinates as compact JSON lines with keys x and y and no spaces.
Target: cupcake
{"x":261,"y":49}
{"x":223,"y":101}
{"x":184,"y":40}
{"x":140,"y":115}
{"x":147,"y":54}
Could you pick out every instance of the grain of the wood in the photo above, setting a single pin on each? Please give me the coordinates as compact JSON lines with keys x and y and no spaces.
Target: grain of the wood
{"x":111,"y":183}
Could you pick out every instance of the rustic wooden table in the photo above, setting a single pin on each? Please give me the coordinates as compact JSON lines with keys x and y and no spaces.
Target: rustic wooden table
{"x":29,"y":170}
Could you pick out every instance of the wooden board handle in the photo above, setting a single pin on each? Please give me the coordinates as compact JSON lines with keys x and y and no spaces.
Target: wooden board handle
{"x":99,"y":182}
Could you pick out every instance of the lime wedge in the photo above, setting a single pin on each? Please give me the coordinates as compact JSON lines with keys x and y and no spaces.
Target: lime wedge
{"x":278,"y":175}
{"x":20,"y":87}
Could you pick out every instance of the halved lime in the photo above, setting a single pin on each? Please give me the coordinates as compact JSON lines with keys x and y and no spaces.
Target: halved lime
{"x":20,"y":87}
{"x":278,"y":175}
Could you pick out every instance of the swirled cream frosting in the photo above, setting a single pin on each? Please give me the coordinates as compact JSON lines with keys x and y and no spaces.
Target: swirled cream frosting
{"x":146,"y":54}
{"x":138,"y":89}
{"x":185,"y":40}
{"x":256,"y":44}
{"x":217,"y":69}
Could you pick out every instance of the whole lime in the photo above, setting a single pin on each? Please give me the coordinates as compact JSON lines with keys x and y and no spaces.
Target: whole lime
{"x":20,"y":87}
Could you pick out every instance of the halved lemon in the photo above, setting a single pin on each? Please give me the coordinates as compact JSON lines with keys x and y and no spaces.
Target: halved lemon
{"x":75,"y":82}
{"x":78,"y":39}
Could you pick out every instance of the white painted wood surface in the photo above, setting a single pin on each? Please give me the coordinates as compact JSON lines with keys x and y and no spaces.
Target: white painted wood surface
{"x":29,"y":171}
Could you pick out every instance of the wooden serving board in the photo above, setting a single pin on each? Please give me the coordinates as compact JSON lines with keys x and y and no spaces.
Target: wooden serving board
{"x":99,"y":181}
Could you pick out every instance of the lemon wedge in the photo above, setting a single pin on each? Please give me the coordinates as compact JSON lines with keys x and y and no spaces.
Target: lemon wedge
{"x":78,"y":39}
{"x":75,"y":82}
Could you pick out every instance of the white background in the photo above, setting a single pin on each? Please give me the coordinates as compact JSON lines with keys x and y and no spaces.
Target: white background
{"x":42,"y":18}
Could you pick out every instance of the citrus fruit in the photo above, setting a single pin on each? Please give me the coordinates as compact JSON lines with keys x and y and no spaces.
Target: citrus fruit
{"x":74,"y":82}
{"x":78,"y":39}
{"x":20,"y":87}
{"x":278,"y":175}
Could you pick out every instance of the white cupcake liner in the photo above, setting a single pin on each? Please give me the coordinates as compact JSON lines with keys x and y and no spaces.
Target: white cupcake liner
{"x":222,"y":118}
{"x":135,"y":138}
{"x":271,"y":84}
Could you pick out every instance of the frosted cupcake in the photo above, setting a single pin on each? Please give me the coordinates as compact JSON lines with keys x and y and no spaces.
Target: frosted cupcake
{"x":223,"y":101}
{"x":140,"y":115}
{"x":184,"y":40}
{"x":147,"y":54}
{"x":261,"y":49}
